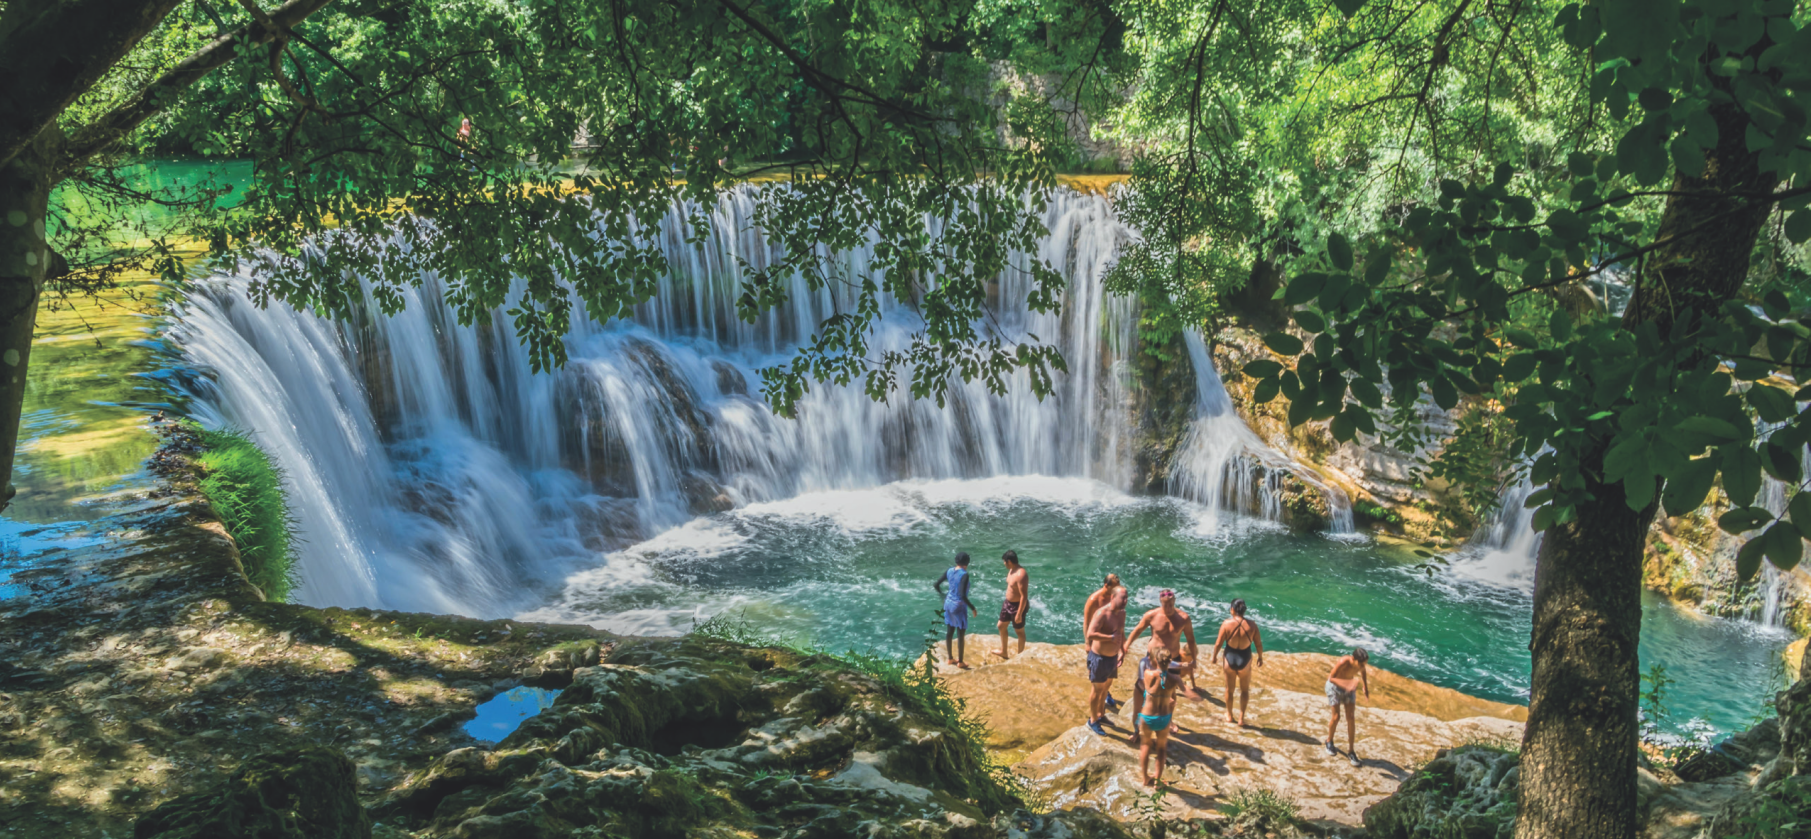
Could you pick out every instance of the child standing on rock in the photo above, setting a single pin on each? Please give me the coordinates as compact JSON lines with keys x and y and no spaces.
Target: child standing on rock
{"x":1160,"y":705}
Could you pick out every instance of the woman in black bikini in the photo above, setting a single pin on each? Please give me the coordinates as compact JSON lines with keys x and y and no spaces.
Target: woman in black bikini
{"x":1240,"y":636}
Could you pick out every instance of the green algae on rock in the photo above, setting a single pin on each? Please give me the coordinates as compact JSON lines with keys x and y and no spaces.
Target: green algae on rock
{"x":309,"y":793}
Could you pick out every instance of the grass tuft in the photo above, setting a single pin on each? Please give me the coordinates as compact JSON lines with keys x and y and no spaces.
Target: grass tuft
{"x":246,"y":488}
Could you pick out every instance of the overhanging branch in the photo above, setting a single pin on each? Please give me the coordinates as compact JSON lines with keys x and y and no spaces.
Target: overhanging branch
{"x":119,"y":122}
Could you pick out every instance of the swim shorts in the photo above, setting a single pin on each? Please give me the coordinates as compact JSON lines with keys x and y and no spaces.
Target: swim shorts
{"x":1011,"y":613}
{"x":1337,"y":695}
{"x":1102,"y":668}
{"x":955,"y":615}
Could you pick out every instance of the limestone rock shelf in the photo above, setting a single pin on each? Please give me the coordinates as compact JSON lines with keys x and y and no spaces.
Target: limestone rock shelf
{"x":1034,"y":704}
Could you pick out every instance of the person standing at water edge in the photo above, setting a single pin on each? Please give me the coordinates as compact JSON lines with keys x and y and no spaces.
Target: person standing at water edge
{"x":1095,"y":601}
{"x":1342,"y":691}
{"x":1169,"y":625}
{"x":1158,"y":682}
{"x":955,"y":620}
{"x":1018,"y":601}
{"x":1106,"y":639}
{"x":1240,"y":637}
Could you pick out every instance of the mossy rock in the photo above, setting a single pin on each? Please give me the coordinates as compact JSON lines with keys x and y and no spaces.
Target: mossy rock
{"x":304,"y":794}
{"x":1782,"y":811}
{"x":1463,"y":793}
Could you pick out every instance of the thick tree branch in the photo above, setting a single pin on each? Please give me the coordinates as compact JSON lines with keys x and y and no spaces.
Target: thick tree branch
{"x":119,"y":122}
{"x":50,"y":59}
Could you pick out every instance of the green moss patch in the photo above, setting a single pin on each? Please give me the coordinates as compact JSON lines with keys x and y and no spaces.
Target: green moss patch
{"x":246,"y":488}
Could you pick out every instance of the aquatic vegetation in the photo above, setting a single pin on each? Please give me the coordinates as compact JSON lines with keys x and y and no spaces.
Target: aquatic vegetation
{"x":246,"y":488}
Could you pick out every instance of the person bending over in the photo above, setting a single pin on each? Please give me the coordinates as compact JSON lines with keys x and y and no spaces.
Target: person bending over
{"x":1342,"y":692}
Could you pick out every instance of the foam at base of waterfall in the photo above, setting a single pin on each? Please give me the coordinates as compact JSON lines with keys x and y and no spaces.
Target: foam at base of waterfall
{"x":682,"y":566}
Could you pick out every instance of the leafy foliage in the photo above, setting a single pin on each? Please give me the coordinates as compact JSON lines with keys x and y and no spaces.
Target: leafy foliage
{"x":1676,"y":394}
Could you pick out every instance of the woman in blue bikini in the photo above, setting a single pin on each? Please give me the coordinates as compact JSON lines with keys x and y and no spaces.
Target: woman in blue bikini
{"x":1160,"y":704}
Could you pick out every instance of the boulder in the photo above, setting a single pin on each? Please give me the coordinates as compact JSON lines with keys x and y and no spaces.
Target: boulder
{"x":310,"y":793}
{"x":1464,"y":793}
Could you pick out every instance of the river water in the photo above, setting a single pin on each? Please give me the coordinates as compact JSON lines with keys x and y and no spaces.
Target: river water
{"x":645,"y":486}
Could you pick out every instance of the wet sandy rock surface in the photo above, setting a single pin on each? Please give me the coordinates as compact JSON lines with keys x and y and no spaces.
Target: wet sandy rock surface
{"x":144,"y":666}
{"x":1034,"y":705}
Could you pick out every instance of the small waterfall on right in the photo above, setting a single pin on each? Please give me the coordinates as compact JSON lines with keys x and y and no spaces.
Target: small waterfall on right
{"x":1224,"y":466}
{"x":1503,"y":550}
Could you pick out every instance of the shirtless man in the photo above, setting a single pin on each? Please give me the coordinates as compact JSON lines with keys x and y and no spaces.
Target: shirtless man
{"x":1240,"y":637}
{"x":1106,"y":638}
{"x":1095,"y":601}
{"x":1169,"y":626}
{"x":1018,"y":601}
{"x":1342,"y":690}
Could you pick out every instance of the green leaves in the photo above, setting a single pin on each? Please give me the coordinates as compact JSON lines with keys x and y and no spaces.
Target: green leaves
{"x":1743,"y":519}
{"x":1283,"y":343}
{"x":1349,"y":7}
{"x":1263,"y":368}
{"x":1339,"y":251}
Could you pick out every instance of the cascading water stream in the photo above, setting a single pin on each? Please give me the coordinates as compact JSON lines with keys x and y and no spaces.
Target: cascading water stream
{"x":431,"y":469}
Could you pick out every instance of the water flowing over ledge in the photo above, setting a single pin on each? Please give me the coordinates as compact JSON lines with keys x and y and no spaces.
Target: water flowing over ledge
{"x":431,"y":469}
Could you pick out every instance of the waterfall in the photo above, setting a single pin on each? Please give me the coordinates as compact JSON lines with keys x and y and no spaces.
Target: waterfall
{"x":1223,"y":464}
{"x":430,"y":469}
{"x":1504,"y":549}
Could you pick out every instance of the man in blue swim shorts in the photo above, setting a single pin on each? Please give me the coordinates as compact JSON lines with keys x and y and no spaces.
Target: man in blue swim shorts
{"x":1106,"y":640}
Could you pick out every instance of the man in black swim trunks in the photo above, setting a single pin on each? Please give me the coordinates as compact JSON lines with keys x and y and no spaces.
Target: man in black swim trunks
{"x":1018,"y":601}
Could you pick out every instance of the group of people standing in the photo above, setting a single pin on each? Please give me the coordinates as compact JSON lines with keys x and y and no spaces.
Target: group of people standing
{"x":1169,"y":660}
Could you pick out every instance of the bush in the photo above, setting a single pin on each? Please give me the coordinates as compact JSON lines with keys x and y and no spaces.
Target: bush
{"x":1259,"y":812}
{"x":246,"y":488}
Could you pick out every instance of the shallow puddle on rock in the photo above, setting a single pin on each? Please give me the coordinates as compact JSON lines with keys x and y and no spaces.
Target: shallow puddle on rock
{"x":503,"y":714}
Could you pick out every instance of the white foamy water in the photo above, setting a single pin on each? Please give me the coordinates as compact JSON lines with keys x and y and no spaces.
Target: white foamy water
{"x":430,"y":469}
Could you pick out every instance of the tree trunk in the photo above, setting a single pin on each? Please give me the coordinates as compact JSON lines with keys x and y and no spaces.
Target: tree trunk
{"x":25,"y":256}
{"x":1578,"y":751}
